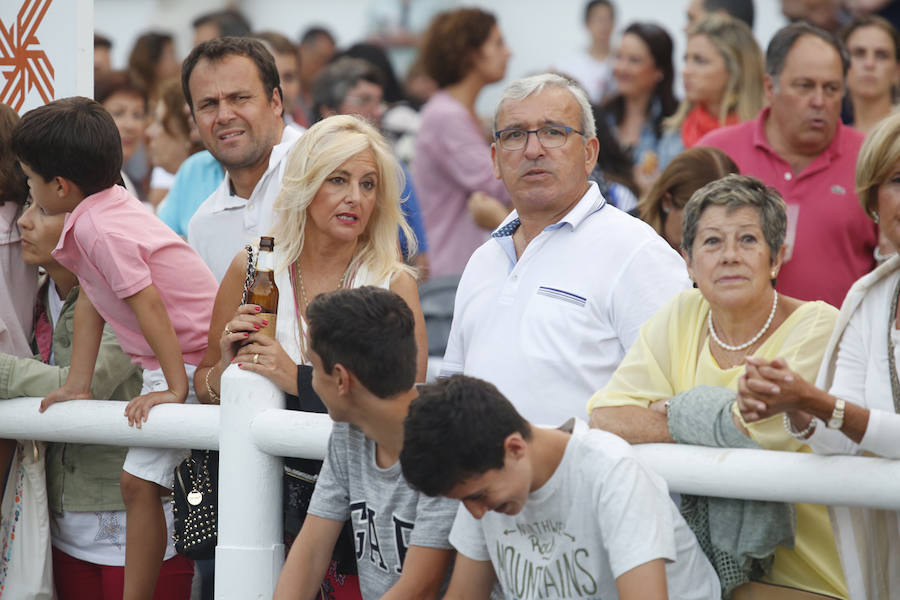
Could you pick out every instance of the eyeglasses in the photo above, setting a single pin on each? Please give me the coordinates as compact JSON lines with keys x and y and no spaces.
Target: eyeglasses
{"x":550,"y":136}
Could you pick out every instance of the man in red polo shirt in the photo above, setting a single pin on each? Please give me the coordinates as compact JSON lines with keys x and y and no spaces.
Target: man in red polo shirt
{"x":799,"y":146}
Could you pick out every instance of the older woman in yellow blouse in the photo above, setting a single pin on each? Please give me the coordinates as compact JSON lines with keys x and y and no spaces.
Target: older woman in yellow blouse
{"x":733,"y":243}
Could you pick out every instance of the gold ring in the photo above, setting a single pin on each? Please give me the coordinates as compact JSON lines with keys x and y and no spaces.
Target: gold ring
{"x":256,"y":358}
{"x":228,"y":330}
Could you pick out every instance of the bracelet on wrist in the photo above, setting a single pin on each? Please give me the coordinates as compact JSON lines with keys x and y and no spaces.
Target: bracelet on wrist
{"x":214,"y":397}
{"x":798,"y":435}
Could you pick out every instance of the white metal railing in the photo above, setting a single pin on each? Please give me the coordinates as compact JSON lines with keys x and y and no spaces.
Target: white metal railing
{"x":252,"y":431}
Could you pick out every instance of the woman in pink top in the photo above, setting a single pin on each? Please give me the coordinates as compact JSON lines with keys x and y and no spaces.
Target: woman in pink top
{"x":463,"y":51}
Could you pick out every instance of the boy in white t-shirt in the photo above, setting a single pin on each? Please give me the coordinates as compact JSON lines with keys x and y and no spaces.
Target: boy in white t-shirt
{"x":548,"y":513}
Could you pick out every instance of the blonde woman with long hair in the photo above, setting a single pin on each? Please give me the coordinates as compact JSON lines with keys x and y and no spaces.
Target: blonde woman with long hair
{"x":723,"y":81}
{"x":336,"y":219}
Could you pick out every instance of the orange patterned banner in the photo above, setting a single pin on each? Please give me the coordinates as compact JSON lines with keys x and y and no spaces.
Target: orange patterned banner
{"x":23,"y":64}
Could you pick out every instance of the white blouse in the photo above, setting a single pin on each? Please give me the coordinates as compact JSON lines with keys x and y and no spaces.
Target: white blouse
{"x":287,"y":327}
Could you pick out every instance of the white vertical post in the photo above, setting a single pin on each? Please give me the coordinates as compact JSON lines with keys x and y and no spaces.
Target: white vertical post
{"x":84,"y":58}
{"x":250,"y":550}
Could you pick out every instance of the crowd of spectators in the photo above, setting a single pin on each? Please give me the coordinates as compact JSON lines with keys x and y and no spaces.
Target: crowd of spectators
{"x":717,"y":270}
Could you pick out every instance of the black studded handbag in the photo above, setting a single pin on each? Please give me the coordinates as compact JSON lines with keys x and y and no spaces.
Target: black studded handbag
{"x":195,"y":505}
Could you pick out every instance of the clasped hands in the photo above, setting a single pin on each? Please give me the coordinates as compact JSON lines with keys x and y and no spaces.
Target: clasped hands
{"x":769,"y":387}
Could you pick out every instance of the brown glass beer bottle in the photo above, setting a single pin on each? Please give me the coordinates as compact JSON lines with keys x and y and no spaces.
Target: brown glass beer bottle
{"x":264,"y":292}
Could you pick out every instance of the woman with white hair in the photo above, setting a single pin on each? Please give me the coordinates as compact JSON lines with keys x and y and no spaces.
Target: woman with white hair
{"x":677,"y":384}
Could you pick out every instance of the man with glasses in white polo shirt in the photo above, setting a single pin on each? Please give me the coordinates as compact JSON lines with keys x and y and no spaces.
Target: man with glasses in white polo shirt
{"x":547,"y":307}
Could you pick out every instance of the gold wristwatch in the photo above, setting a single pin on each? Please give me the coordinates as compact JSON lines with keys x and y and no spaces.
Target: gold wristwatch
{"x":837,"y":416}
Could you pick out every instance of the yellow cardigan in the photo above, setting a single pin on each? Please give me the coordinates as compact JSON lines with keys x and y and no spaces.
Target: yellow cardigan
{"x":672,"y":355}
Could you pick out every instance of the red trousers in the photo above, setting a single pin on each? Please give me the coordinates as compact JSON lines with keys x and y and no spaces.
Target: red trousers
{"x":80,"y":580}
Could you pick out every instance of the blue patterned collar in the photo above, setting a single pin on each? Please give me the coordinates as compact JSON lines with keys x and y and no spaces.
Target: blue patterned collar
{"x":508,"y":229}
{"x":591,"y":202}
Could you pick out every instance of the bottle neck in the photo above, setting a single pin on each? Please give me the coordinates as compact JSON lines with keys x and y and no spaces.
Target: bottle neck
{"x":265,"y":261}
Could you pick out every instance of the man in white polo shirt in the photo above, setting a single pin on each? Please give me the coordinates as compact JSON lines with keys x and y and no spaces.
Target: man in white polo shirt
{"x":547,"y":307}
{"x":232,"y":87}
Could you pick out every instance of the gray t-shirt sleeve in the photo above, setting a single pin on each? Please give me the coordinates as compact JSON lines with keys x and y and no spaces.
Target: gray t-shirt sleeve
{"x":331,"y":497}
{"x":434,"y":519}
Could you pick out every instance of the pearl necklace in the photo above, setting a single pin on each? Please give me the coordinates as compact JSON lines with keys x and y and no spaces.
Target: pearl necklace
{"x":751,"y":341}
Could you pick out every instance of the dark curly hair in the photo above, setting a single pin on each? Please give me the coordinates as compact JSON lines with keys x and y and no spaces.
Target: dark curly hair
{"x":371,"y":332}
{"x":451,"y":41}
{"x":75,"y":138}
{"x":456,"y":429}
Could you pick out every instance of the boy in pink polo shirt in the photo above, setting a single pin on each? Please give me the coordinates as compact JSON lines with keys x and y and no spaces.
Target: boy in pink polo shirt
{"x":135,"y":274}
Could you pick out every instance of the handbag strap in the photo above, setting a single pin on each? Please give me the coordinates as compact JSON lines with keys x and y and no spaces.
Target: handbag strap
{"x":199,"y":460}
{"x":251,"y":273}
{"x":203,"y":455}
{"x":895,"y":383}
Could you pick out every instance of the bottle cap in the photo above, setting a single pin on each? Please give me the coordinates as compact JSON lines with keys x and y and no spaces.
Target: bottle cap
{"x":267,"y":243}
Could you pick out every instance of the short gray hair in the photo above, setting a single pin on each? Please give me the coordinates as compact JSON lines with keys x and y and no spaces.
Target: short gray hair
{"x":336,"y":80}
{"x":734,"y":192}
{"x":785,"y":38}
{"x":522,"y":88}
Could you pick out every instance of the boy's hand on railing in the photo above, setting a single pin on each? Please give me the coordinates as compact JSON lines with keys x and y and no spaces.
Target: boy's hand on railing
{"x":139,"y":408}
{"x":63,"y":394}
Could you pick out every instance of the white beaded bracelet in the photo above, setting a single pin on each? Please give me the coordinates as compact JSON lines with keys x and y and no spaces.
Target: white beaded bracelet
{"x":798,"y":435}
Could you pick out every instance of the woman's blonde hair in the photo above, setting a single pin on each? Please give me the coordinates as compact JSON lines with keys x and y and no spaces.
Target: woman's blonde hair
{"x":320,"y":151}
{"x":879,"y":154}
{"x":744,"y":64}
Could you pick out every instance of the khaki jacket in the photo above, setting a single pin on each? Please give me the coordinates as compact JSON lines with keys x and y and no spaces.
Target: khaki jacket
{"x":80,"y":477}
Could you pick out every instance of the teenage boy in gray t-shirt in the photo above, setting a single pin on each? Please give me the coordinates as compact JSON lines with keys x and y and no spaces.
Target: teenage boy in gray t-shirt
{"x":363,"y":352}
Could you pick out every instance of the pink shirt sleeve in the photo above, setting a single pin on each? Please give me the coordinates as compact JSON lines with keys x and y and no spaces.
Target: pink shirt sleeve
{"x":122,"y":260}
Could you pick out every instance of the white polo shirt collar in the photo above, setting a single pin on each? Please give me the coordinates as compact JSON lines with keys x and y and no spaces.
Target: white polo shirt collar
{"x":591,"y":202}
{"x":229,"y":200}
